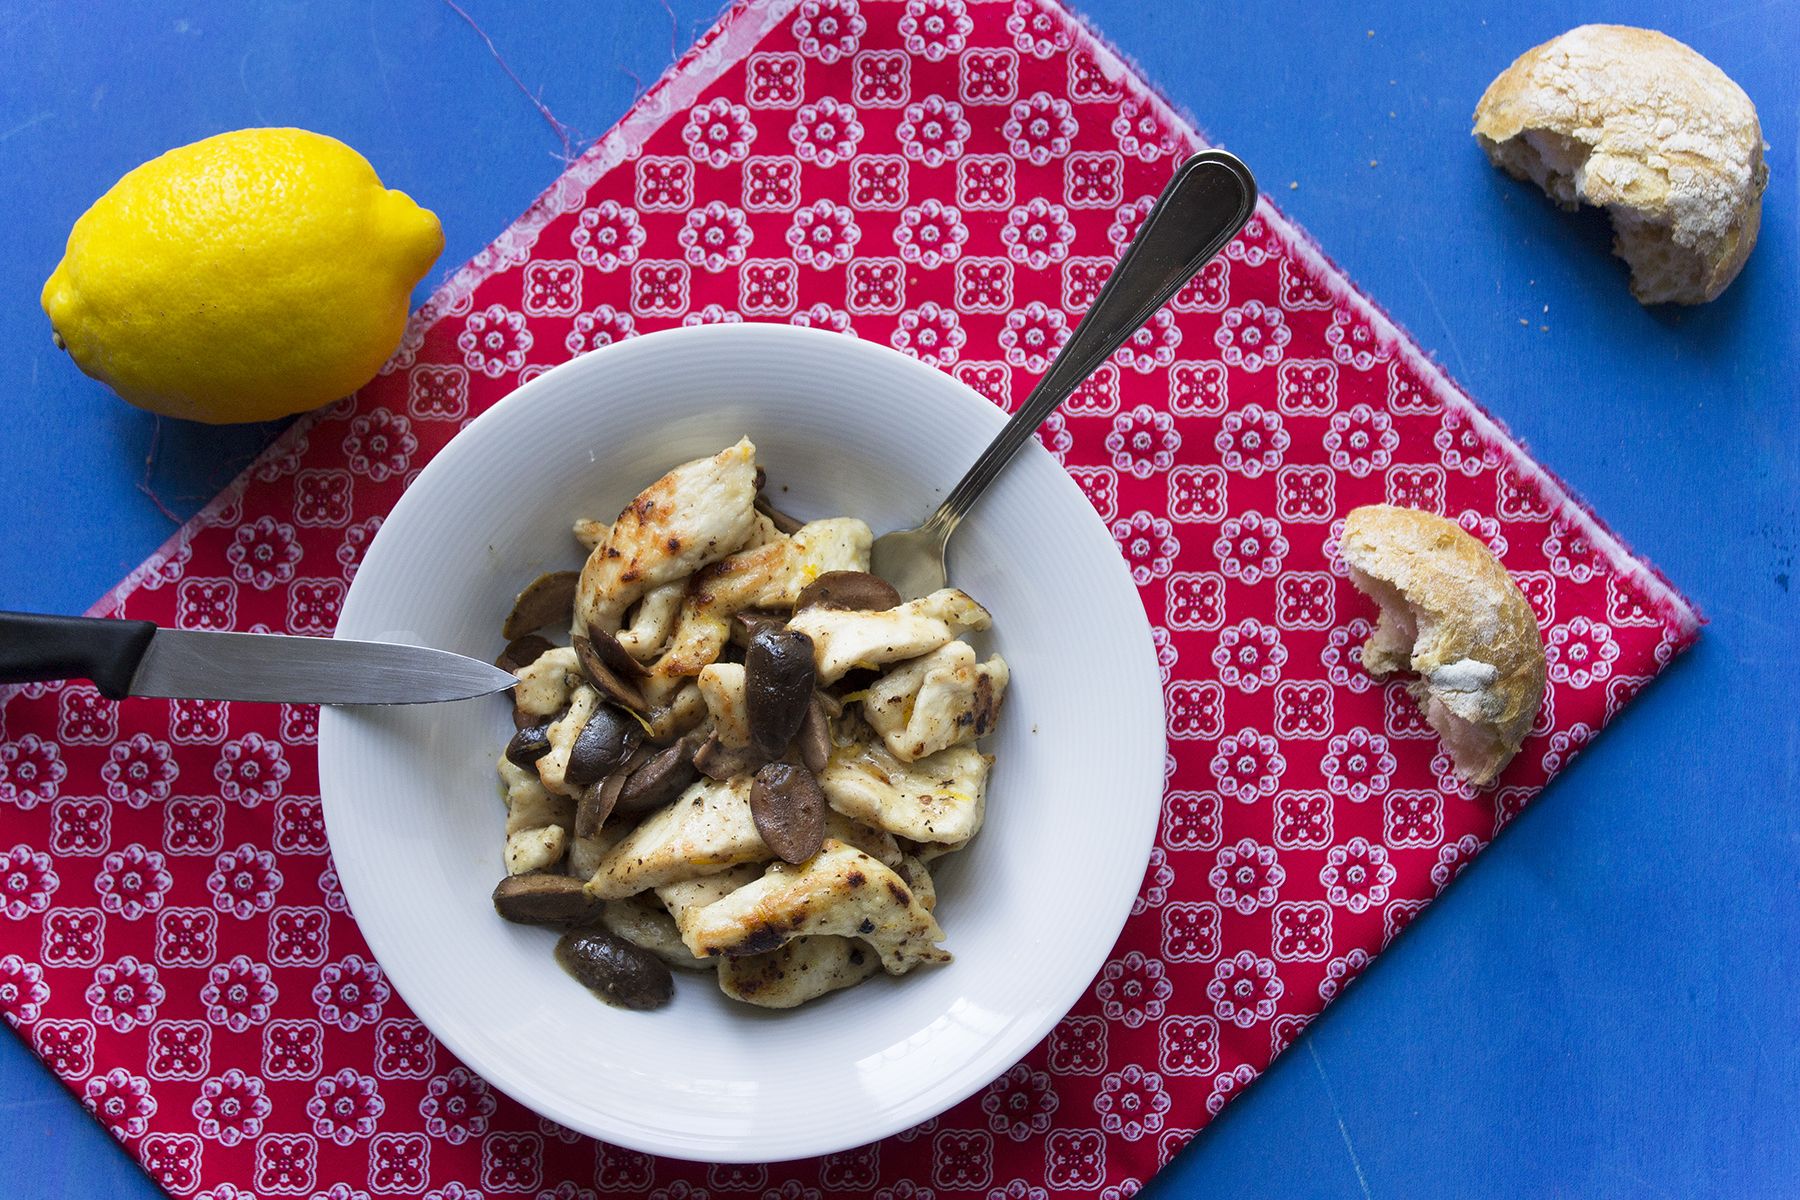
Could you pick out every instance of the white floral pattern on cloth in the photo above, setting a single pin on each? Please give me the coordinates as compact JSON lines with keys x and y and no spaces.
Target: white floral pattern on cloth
{"x":956,"y":180}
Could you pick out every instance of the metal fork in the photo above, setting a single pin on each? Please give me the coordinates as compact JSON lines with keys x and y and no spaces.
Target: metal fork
{"x":1207,"y":201}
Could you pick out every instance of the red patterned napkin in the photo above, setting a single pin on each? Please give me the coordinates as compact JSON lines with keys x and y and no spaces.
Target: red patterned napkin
{"x":954,"y":179}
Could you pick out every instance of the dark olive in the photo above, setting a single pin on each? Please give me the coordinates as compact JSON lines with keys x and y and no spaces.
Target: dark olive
{"x":522,"y":652}
{"x":814,"y":738}
{"x":615,"y":970}
{"x":664,"y":776}
{"x":715,"y":760}
{"x":606,"y":646}
{"x":545,"y":900}
{"x":604,"y":742}
{"x":789,"y":811}
{"x":857,"y":590}
{"x":547,"y":600}
{"x":598,"y":800}
{"x":778,"y":686}
{"x":616,"y":687}
{"x":781,"y":520}
{"x":529,"y":744}
{"x":751,"y":621}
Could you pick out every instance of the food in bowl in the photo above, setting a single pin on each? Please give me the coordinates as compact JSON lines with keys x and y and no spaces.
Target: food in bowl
{"x":747,"y":755}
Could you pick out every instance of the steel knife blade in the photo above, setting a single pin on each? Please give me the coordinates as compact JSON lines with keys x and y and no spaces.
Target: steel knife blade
{"x":189,"y":664}
{"x":137,"y":658}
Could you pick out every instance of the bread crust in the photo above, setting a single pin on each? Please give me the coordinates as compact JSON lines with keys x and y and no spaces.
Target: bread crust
{"x":1474,"y":641}
{"x":1635,"y":122}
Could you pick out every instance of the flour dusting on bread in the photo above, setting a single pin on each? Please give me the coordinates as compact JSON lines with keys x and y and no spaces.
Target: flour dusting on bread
{"x":1635,"y":122}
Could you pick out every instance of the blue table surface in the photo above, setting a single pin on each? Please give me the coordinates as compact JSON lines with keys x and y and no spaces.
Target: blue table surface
{"x":1606,"y":1004}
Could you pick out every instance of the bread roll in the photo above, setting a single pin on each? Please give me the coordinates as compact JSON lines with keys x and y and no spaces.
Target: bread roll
{"x":1451,"y":615}
{"x":1632,"y":121}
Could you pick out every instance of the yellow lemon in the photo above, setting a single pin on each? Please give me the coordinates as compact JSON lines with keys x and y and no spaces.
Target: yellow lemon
{"x":241,"y":278}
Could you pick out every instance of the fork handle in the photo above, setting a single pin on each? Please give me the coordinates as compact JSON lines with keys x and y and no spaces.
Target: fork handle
{"x":1207,"y":201}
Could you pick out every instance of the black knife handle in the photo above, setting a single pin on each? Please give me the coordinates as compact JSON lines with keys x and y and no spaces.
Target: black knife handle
{"x":34,"y":648}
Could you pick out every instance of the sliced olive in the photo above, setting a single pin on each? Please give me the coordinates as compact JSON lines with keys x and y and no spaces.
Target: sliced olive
{"x":522,"y":652}
{"x":529,"y":744}
{"x":604,"y":742}
{"x":747,"y":624}
{"x":598,"y":800}
{"x":545,"y":900}
{"x":615,"y":970}
{"x":547,"y":600}
{"x":781,"y":520}
{"x":814,"y":738}
{"x":617,"y":688}
{"x":715,"y":760}
{"x":664,"y":776}
{"x":778,"y":686}
{"x":789,"y":811}
{"x":607,"y":648}
{"x":857,"y":590}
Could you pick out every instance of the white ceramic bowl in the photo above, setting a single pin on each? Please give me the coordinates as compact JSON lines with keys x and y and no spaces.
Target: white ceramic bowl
{"x":845,"y":428}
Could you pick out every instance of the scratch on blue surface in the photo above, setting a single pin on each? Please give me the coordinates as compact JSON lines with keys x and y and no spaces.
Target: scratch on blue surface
{"x":1462,"y":368}
{"x":244,"y":82}
{"x":27,"y":123}
{"x":381,"y":69}
{"x":1337,"y":1113}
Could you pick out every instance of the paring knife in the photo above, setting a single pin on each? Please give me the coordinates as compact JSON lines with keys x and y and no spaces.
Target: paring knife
{"x":139,"y":658}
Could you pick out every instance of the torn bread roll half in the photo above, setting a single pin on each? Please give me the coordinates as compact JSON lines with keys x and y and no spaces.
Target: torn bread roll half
{"x":1635,"y":122}
{"x":1451,"y":615}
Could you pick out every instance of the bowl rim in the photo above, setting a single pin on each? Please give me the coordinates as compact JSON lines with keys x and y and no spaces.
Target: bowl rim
{"x":1112,"y":910}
